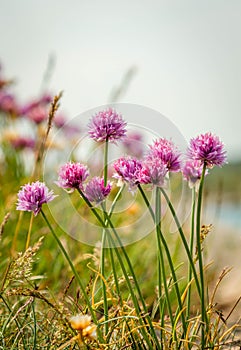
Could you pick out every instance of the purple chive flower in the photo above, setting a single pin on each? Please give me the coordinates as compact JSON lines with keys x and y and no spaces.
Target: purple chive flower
{"x":166,"y":151}
{"x":107,"y":125}
{"x":43,"y":101}
{"x":32,"y":196}
{"x":72,"y":176}
{"x":8,"y":103}
{"x":96,"y":191}
{"x":133,"y":144}
{"x":22,"y":142}
{"x":192,"y":172}
{"x":38,"y":114}
{"x":208,"y":149}
{"x":130,"y":170}
{"x":155,"y":172}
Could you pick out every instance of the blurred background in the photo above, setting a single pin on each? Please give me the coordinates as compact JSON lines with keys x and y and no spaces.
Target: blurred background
{"x":181,"y":58}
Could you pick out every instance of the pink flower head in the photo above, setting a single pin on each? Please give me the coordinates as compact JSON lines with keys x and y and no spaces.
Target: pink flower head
{"x":96,"y":191}
{"x":133,"y":144}
{"x":43,"y":101}
{"x":72,"y":176}
{"x":208,"y":149}
{"x":32,"y":196}
{"x":155,"y":171}
{"x":38,"y":114}
{"x":192,"y":171}
{"x":167,"y":152}
{"x":8,"y":103}
{"x":22,"y":142}
{"x":130,"y":170}
{"x":107,"y":125}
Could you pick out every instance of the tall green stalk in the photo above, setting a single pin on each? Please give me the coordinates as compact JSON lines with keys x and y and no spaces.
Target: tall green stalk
{"x":160,"y":263}
{"x":103,"y":249}
{"x":170,"y":263}
{"x":74,"y":272}
{"x":200,"y":258}
{"x":127,"y":278}
{"x":184,"y":241}
{"x":191,"y":244}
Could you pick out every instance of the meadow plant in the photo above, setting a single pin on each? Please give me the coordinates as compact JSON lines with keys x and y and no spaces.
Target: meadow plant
{"x":114,"y":311}
{"x":162,"y":158}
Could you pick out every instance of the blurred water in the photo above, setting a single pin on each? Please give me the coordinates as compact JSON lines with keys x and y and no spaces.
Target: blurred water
{"x":228,"y":214}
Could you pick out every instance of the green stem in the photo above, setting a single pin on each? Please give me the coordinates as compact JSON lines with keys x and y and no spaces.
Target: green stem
{"x":173,"y":273}
{"x":110,"y":212}
{"x":146,"y":314}
{"x":183,"y":238}
{"x":18,"y":323}
{"x":34,"y":326}
{"x":199,"y":253}
{"x":112,"y":257}
{"x":103,"y":249}
{"x":103,"y":279}
{"x":106,"y":162}
{"x":133,"y":296}
{"x":191,"y":243}
{"x":74,"y":272}
{"x":161,"y":265}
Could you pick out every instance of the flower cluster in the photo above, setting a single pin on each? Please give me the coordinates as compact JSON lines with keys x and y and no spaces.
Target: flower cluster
{"x":72,"y":176}
{"x":167,"y":152}
{"x":162,"y":157}
{"x":96,"y":191}
{"x":155,"y":171}
{"x":192,"y":172}
{"x":205,"y":149}
{"x":32,"y":196}
{"x":208,"y":149}
{"x":130,"y":170}
{"x":107,"y":125}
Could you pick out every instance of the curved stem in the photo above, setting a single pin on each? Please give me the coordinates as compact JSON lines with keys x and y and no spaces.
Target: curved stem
{"x":134,"y":299}
{"x":135,"y":282}
{"x":160,"y":264}
{"x":74,"y":272}
{"x":169,"y":258}
{"x":110,"y":212}
{"x":29,"y":231}
{"x":184,"y":241}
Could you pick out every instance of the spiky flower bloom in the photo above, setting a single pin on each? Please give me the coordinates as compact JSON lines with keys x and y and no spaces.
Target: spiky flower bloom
{"x":72,"y":176}
{"x":32,"y":196}
{"x":107,"y":125}
{"x":131,"y":171}
{"x":155,"y":171}
{"x":208,"y":149}
{"x":96,"y":191}
{"x":192,"y":172}
{"x":166,"y":151}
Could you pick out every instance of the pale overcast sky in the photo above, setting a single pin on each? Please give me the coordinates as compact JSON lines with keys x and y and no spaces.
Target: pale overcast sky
{"x":187,"y":54}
